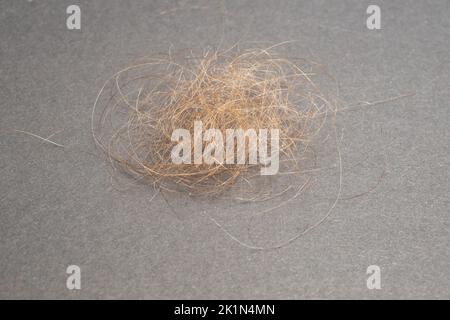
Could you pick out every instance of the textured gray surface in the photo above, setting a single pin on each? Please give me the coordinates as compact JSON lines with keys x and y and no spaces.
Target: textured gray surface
{"x":58,"y":207}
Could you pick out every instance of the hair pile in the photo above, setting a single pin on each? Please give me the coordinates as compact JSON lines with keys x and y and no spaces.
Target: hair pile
{"x":137,"y":110}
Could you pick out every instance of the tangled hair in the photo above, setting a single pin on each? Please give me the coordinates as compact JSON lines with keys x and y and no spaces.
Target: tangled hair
{"x":138,"y":109}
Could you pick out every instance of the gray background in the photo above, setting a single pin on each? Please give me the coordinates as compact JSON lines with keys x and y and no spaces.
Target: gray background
{"x":58,"y":206}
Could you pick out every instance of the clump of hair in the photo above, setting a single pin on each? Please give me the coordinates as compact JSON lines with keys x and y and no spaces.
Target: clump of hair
{"x":137,"y":110}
